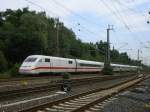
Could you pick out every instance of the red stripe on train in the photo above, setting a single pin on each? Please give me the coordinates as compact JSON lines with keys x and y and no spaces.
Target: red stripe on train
{"x":60,"y":68}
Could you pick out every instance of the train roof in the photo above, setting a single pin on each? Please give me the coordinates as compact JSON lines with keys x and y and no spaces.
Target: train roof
{"x":84,"y":61}
{"x":90,"y":62}
{"x":43,"y":56}
{"x":120,"y":65}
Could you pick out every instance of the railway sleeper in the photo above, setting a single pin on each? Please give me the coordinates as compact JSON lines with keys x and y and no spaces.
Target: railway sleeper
{"x":66,"y":105}
{"x":51,"y":110}
{"x":76,"y":104}
{"x":81,"y":102}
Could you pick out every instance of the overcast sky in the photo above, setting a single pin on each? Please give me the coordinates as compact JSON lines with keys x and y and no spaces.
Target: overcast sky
{"x":89,"y":20}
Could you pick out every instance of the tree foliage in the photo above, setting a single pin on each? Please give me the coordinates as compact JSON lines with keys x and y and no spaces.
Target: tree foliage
{"x":3,"y":62}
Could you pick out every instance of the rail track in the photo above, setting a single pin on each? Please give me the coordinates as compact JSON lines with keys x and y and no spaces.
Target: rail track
{"x":29,"y":82}
{"x":53,"y":86}
{"x":88,"y":101}
{"x":28,"y":78}
{"x":16,"y":84}
{"x":24,"y":78}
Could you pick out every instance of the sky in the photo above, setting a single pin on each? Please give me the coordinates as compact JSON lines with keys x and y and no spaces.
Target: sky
{"x":89,"y":19}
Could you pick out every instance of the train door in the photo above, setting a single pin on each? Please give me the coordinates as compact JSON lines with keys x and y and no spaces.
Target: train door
{"x":48,"y":65}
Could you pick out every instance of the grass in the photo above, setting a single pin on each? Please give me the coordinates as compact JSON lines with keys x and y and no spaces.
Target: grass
{"x":5,"y":75}
{"x":9,"y":74}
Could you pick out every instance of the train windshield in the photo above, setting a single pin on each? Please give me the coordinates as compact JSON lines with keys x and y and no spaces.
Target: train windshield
{"x":30,"y":60}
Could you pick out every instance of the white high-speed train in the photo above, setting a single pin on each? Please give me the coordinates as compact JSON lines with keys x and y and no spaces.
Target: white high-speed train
{"x":36,"y":64}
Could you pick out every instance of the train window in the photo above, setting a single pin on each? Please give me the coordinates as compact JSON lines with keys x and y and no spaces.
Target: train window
{"x":40,"y":60}
{"x":47,"y":60}
{"x":89,"y":65}
{"x":70,"y":62}
{"x":30,"y":60}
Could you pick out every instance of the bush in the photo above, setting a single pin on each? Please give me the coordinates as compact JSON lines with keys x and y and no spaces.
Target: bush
{"x":107,"y":70}
{"x":66,"y":75}
{"x":3,"y":62}
{"x":14,"y":70}
{"x":5,"y":75}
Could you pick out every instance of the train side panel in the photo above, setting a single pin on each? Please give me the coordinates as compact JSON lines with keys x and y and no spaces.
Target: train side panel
{"x":62,"y":65}
{"x":89,"y":66}
{"x":43,"y":65}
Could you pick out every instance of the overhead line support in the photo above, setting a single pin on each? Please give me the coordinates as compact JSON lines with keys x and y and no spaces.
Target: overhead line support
{"x":107,"y":57}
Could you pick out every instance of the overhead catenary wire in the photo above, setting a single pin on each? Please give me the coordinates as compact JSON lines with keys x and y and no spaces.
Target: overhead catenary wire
{"x":113,"y":12}
{"x":129,"y":8}
{"x":121,"y":19}
{"x":119,"y":16}
{"x":44,"y":9}
{"x":131,"y":32}
{"x":76,"y":14}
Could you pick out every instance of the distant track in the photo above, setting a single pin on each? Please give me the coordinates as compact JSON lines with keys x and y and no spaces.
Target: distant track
{"x":25,"y":78}
{"x":37,"y":77}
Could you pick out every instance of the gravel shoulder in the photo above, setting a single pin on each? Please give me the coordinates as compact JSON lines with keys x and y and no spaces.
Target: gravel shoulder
{"x":136,"y":99}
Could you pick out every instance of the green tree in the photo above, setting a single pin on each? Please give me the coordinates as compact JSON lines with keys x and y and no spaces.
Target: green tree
{"x":3,"y":62}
